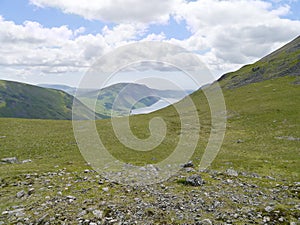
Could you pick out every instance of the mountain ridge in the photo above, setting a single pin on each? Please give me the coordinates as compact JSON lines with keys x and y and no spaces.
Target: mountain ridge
{"x":19,"y":100}
{"x":284,"y":61}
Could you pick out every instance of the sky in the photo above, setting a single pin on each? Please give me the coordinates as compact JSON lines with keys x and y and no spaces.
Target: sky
{"x":56,"y":42}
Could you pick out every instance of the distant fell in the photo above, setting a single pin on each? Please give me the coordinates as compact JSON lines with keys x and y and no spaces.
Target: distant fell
{"x":19,"y":100}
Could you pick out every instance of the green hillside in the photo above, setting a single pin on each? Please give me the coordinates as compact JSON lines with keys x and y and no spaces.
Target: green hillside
{"x":261,"y":145}
{"x":262,"y":131}
{"x":283,"y":62}
{"x":18,"y":100}
{"x":130,"y":98}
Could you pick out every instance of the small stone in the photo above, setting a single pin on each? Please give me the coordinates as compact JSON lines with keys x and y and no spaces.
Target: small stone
{"x":269,"y":209}
{"x":71,"y":197}
{"x":30,"y":191}
{"x":5,"y":213}
{"x":188,"y":164}
{"x":11,"y":160}
{"x":98,"y":214}
{"x":206,"y":222}
{"x":20,"y":194}
{"x":189,"y":169}
{"x":20,"y":214}
{"x":239,"y":141}
{"x":26,"y":161}
{"x":105,"y":189}
{"x":266,"y":219}
{"x":195,"y":180}
{"x":231,"y":172}
{"x":43,"y":219}
{"x":82,"y":213}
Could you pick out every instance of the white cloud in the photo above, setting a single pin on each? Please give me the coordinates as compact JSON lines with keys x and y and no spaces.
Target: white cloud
{"x":123,"y":32}
{"x":225,"y":33}
{"x":235,"y":31}
{"x":118,"y":11}
{"x":52,"y":50}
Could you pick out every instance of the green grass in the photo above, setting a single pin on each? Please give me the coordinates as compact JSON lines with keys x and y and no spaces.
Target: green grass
{"x":258,"y":113}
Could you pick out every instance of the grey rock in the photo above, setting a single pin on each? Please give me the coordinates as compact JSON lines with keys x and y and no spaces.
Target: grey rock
{"x":231,"y":172}
{"x":266,"y":219}
{"x":20,"y":214}
{"x":206,"y":222}
{"x":105,"y":189}
{"x":20,"y":194}
{"x":30,"y":191}
{"x":82,"y":213}
{"x":26,"y":161}
{"x":71,"y":197}
{"x":195,"y":180}
{"x":98,"y":214}
{"x":189,"y":169}
{"x":43,"y":219}
{"x":188,"y":164}
{"x":11,"y":160}
{"x":269,"y":209}
{"x":288,"y":138}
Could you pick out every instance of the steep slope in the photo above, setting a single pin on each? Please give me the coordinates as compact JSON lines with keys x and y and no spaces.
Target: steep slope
{"x":283,"y":62}
{"x":261,"y":147}
{"x":18,"y":100}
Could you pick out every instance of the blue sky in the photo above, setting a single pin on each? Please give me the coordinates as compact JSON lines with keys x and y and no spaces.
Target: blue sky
{"x":51,"y":41}
{"x":20,"y":11}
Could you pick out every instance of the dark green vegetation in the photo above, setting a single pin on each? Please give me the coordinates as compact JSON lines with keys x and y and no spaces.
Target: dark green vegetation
{"x":27,"y":101}
{"x":262,"y":137}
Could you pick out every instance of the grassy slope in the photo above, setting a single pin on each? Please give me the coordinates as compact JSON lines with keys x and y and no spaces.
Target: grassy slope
{"x":283,"y":62}
{"x":258,"y":113}
{"x":20,"y":100}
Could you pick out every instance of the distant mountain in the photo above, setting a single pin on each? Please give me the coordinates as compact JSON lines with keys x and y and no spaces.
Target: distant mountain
{"x":283,"y":62}
{"x":65,"y":88}
{"x":132,"y":93}
{"x":126,"y":96}
{"x":18,"y":100}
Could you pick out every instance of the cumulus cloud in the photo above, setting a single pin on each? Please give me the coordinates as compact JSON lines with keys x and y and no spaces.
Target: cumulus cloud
{"x":225,"y":34}
{"x":118,"y":11}
{"x":53,"y":50}
{"x":235,"y":31}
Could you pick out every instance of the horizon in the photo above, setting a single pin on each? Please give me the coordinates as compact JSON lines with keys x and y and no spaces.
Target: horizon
{"x":56,"y":43}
